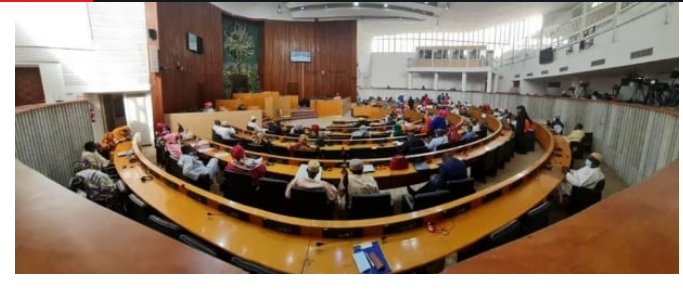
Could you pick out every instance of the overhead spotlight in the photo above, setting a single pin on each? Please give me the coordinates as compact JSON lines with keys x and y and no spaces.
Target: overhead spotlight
{"x":426,"y":2}
{"x":327,"y":6}
{"x":355,"y":3}
{"x":279,"y":8}
{"x":447,"y":6}
{"x":386,"y":5}
{"x":302,"y":8}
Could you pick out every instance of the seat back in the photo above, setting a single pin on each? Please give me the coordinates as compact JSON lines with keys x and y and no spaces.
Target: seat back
{"x":537,"y":218}
{"x":271,"y":196}
{"x":306,"y":154}
{"x":507,"y":233}
{"x":430,"y":199}
{"x":445,"y":146}
{"x":164,"y":226}
{"x":173,"y":168}
{"x":587,"y":142}
{"x":161,"y":155}
{"x":237,"y":187}
{"x":374,"y":205}
{"x":460,"y":188}
{"x":250,"y":267}
{"x":360,"y":153}
{"x":418,"y":150}
{"x":310,"y":203}
{"x":490,"y":162}
{"x":385,"y":151}
{"x":582,"y":198}
{"x":137,"y":209}
{"x":196,"y":244}
{"x":203,"y":182}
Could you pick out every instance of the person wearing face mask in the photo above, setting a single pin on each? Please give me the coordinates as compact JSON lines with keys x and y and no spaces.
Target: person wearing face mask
{"x":587,"y":177}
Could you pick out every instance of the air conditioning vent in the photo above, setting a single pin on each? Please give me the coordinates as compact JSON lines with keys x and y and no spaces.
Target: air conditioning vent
{"x":530,"y":74}
{"x":517,"y":76}
{"x":598,"y":62}
{"x":642,"y":53}
{"x":564,"y":69}
{"x":544,"y":72}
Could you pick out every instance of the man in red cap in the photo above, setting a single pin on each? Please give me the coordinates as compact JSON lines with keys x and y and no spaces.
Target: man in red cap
{"x":254,"y":167}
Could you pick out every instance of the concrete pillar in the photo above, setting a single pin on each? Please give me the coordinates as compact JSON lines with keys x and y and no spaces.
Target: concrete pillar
{"x":410,"y":81}
{"x":496,"y":80}
{"x":489,"y":82}
{"x":436,"y":81}
{"x":464,"y":81}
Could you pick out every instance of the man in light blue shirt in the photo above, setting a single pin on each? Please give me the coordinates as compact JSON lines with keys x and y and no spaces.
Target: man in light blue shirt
{"x":469,"y":135}
{"x":193,"y":167}
{"x":436,"y":141}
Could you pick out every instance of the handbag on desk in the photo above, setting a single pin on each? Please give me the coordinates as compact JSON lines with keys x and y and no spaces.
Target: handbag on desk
{"x":398,"y":162}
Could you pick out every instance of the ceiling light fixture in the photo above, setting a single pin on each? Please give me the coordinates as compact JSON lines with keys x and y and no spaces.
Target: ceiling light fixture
{"x":386,"y":5}
{"x":302,"y":8}
{"x":279,"y":8}
{"x":355,"y":3}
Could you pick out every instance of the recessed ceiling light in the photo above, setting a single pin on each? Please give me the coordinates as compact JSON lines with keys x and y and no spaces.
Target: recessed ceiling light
{"x":426,"y":2}
{"x":302,"y":8}
{"x":386,"y":5}
{"x":355,"y":3}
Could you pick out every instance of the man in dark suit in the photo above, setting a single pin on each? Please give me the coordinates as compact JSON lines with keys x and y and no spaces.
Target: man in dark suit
{"x":411,"y":142}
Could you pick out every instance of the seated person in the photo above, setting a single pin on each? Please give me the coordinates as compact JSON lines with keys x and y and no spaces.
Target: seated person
{"x":95,"y":159}
{"x":577,"y":134}
{"x":107,"y":144}
{"x":557,"y":125}
{"x":253,"y":126}
{"x":362,"y":132}
{"x":451,"y":169}
{"x":208,"y":107}
{"x":297,"y":130}
{"x":275,"y":128}
{"x":398,"y":129}
{"x":454,"y":134}
{"x":173,"y":146}
{"x":433,"y":142}
{"x":241,"y":107}
{"x":224,"y":130}
{"x":427,"y":121}
{"x":469,"y":135}
{"x":411,"y":142}
{"x":121,"y":134}
{"x":439,"y":122}
{"x":315,"y":131}
{"x":193,"y":168}
{"x":240,"y":163}
{"x":260,"y":139}
{"x":476,"y":125}
{"x":361,"y":122}
{"x":588,"y":176}
{"x":161,"y":130}
{"x":302,"y":144}
{"x":310,"y":182}
{"x":97,"y":185}
{"x":337,"y":96}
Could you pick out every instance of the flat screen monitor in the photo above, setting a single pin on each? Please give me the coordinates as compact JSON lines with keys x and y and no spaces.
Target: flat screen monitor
{"x":300,"y":56}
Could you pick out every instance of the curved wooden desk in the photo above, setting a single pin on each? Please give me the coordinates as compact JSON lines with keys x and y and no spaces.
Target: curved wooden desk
{"x":241,"y":230}
{"x":633,"y":231}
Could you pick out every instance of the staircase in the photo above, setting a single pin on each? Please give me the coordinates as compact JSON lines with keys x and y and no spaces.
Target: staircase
{"x":303,"y":113}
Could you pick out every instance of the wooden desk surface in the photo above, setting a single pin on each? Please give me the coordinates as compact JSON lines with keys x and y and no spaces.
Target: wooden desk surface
{"x":418,"y":247}
{"x":633,"y":231}
{"x":57,"y":231}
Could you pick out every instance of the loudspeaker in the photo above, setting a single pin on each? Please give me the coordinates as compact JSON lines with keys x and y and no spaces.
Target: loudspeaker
{"x":674,"y":74}
{"x":152,"y":34}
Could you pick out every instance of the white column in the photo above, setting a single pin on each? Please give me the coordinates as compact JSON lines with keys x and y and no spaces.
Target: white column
{"x":496,"y":80}
{"x":436,"y":81}
{"x":489,"y":82}
{"x":410,"y":81}
{"x":464,"y":81}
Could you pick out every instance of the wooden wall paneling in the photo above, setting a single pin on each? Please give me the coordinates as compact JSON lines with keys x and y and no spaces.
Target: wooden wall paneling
{"x":333,"y":49}
{"x":151,"y":21}
{"x":190,"y":79}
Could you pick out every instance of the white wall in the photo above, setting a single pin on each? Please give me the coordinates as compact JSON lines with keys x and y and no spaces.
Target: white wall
{"x":139,"y":115}
{"x":83,"y":47}
{"x":650,"y":30}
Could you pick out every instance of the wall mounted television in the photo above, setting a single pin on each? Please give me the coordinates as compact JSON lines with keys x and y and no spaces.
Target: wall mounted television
{"x":195,"y":43}
{"x":300,"y":56}
{"x":546,"y":56}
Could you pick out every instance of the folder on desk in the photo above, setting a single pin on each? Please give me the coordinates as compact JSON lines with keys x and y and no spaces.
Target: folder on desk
{"x":368,"y":168}
{"x":361,"y":255}
{"x":421,"y":166}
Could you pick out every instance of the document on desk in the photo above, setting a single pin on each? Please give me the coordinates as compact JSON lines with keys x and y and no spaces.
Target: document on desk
{"x":362,"y":255}
{"x":221,"y":154}
{"x":125,"y":153}
{"x":362,"y":262}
